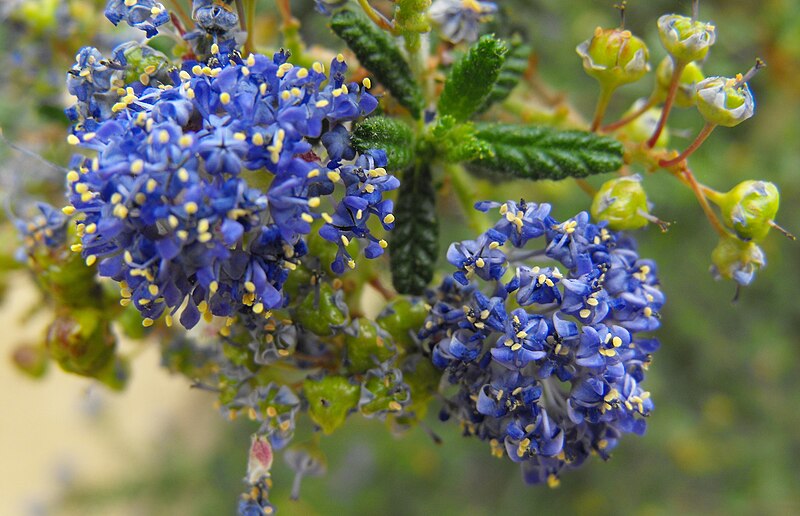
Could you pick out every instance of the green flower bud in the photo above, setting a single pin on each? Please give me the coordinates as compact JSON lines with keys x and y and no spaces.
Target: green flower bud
{"x":330,"y":400}
{"x":685,"y":39}
{"x":614,"y":57}
{"x":692,"y":74}
{"x":403,"y":318}
{"x":367,"y":345}
{"x":724,"y":101}
{"x":323,"y":311}
{"x":749,"y":208}
{"x":621,"y":202}
{"x":736,"y":259}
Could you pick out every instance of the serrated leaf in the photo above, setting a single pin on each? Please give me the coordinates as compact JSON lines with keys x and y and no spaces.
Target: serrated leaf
{"x":415,"y":238}
{"x":379,"y":54}
{"x":513,"y":69}
{"x":538,"y":152}
{"x":391,"y":135}
{"x":472,"y":78}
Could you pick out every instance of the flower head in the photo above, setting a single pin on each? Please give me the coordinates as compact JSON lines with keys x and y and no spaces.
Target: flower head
{"x":548,"y":365}
{"x":172,"y":216}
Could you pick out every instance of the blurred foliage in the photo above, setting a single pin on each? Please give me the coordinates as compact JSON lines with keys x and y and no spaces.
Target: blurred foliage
{"x":724,"y":436}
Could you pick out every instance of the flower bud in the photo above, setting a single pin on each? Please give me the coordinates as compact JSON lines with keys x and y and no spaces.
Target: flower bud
{"x":724,"y":101}
{"x":692,"y":74}
{"x":259,"y":462}
{"x":685,"y":39}
{"x":621,"y":202}
{"x":614,"y":57}
{"x":736,"y":259}
{"x":749,"y":208}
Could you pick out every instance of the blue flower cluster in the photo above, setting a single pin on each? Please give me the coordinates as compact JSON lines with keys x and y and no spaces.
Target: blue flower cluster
{"x":547,"y":362}
{"x":145,"y":15}
{"x":202,"y":187}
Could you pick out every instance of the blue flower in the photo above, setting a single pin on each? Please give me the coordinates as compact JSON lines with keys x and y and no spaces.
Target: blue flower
{"x":548,"y":363}
{"x":145,"y":15}
{"x":167,"y":210}
{"x":459,"y":20}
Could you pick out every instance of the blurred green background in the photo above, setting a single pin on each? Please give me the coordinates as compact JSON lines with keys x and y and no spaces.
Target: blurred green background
{"x":725,"y":436}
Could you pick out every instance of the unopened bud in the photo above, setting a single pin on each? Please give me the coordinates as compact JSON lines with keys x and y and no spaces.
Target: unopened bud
{"x":614,"y":57}
{"x":621,"y":202}
{"x":750,"y":208}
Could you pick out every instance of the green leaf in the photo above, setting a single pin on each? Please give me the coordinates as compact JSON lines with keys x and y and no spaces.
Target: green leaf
{"x":472,"y":78}
{"x":538,"y":152}
{"x":391,"y":135}
{"x":454,"y":142}
{"x":514,"y":67}
{"x":415,"y":237}
{"x":378,"y":53}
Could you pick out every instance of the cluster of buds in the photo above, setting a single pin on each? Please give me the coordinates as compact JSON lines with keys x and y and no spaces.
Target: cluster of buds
{"x":615,"y":57}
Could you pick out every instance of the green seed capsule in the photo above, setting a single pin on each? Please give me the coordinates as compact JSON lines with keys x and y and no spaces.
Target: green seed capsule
{"x":323,"y":311}
{"x":614,"y":57}
{"x":403,"y":318}
{"x":724,"y":101}
{"x":622,"y":202}
{"x":330,"y":400}
{"x":685,"y":39}
{"x":367,"y":345}
{"x":692,"y":75}
{"x":736,"y":259}
{"x":749,"y":208}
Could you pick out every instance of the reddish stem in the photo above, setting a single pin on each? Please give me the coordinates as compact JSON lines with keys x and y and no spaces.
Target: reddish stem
{"x":707,"y":129}
{"x":630,"y":118}
{"x":673,"y":90}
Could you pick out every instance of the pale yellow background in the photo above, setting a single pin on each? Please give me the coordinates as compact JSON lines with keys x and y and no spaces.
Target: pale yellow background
{"x":49,"y":431}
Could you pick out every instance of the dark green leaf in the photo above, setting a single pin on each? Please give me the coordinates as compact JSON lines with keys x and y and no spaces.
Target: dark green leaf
{"x":393,"y":136}
{"x":510,"y":74}
{"x":538,"y":152}
{"x":378,"y":53}
{"x":472,"y":78}
{"x":415,"y":237}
